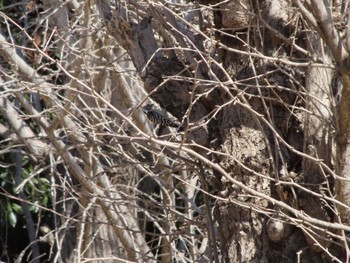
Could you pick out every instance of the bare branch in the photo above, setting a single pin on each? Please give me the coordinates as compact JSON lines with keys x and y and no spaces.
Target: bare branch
{"x":37,"y":147}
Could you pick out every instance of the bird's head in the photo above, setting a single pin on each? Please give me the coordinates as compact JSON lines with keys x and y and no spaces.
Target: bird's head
{"x":147,"y":108}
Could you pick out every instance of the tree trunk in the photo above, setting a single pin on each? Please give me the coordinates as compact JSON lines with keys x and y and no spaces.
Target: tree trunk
{"x":257,"y":170}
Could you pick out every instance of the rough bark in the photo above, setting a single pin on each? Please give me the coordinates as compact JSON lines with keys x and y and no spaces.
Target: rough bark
{"x":318,"y":141}
{"x":342,"y":185}
{"x":248,"y":177}
{"x":321,"y":12}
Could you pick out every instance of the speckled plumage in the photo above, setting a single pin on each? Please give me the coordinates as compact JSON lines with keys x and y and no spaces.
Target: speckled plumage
{"x":158,"y":117}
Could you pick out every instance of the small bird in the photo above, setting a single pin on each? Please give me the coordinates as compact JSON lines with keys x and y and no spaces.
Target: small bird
{"x":158,"y":117}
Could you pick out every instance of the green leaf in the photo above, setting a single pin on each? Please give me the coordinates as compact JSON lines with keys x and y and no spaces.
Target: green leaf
{"x":34,"y":180}
{"x":34,"y":207}
{"x":30,"y":184}
{"x":45,"y":200}
{"x":17,"y":208}
{"x":12,"y":219}
{"x":3,"y":183}
{"x":44,"y":181}
{"x":9,"y":207}
{"x":44,"y":184}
